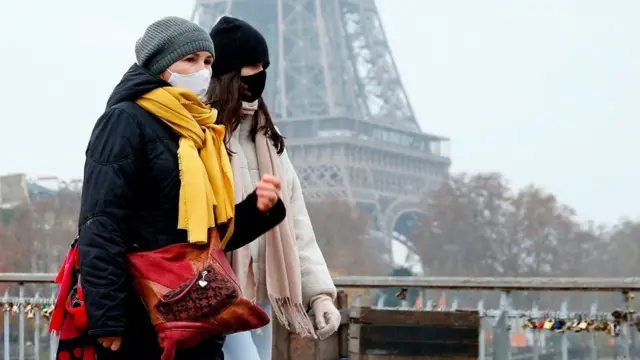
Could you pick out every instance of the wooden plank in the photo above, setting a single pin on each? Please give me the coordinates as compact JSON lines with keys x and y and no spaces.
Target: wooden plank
{"x":280,"y":342}
{"x":392,"y":357}
{"x":328,"y":349}
{"x":414,"y":333}
{"x":400,"y":334}
{"x":412,"y":349}
{"x":343,"y":331}
{"x":344,"y":315}
{"x":354,"y":346}
{"x":312,"y":349}
{"x":301,"y":348}
{"x":414,"y":340}
{"x":288,"y":346}
{"x":367,"y":315}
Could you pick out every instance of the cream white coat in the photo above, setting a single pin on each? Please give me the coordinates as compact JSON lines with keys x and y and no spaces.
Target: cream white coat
{"x":315,"y":274}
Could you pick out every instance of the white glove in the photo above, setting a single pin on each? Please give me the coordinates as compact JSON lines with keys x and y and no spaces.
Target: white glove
{"x":327,"y":315}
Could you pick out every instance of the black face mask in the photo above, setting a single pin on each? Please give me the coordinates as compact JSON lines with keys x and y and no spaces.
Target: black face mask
{"x":255,"y":85}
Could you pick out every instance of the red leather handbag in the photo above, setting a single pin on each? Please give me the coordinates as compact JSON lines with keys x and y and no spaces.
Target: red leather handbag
{"x":191,"y":293}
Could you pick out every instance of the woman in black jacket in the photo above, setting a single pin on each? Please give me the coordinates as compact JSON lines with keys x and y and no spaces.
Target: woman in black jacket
{"x":135,"y":196}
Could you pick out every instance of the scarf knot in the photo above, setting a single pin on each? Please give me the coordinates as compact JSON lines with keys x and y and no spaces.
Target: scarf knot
{"x":206,"y":179}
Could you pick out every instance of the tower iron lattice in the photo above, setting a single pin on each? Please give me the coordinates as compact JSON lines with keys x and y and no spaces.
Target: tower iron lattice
{"x":336,"y":95}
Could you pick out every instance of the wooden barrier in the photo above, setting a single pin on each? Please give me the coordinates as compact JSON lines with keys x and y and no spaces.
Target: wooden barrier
{"x":287,"y":346}
{"x":408,"y":334}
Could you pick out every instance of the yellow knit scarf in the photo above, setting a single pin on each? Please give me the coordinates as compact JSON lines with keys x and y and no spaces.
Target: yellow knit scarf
{"x":206,"y":178}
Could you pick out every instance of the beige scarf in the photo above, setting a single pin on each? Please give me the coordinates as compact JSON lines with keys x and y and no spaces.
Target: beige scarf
{"x":279,"y":263}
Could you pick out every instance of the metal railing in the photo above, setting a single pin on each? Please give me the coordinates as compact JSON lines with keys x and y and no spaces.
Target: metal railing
{"x":32,"y":340}
{"x":498,"y":322}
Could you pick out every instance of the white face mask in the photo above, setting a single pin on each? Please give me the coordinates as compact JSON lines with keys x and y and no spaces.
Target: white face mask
{"x":197,"y":82}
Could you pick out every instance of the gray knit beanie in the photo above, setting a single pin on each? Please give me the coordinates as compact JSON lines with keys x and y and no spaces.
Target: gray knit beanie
{"x":169,"y":40}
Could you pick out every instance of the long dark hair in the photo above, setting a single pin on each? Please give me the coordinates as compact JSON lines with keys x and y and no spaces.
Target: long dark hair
{"x":224,"y":95}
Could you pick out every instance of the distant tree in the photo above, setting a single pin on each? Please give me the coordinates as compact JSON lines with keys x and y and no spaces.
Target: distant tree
{"x":463,"y":222}
{"x":539,"y":232}
{"x":341,"y":232}
{"x":47,"y":227}
{"x":624,"y":245}
{"x":10,"y":256}
{"x":587,"y":252}
{"x":475,"y":225}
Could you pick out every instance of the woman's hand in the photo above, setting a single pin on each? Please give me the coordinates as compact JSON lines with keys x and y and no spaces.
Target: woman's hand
{"x":112,"y":343}
{"x":327,"y":316}
{"x":268,"y":191}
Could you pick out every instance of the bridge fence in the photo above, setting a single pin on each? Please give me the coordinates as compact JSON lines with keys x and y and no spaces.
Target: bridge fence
{"x":25,"y":316}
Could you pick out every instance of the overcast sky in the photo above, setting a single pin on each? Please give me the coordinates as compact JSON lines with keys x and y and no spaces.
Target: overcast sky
{"x":544,"y":91}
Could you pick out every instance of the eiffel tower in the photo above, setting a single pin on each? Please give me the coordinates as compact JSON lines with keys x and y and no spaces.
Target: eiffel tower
{"x":336,"y":95}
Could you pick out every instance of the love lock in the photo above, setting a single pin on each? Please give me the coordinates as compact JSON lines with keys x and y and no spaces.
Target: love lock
{"x":616,"y":314}
{"x":559,"y":325}
{"x":583,"y":325}
{"x":600,"y":326}
{"x":530,"y":324}
{"x":620,"y":315}
{"x":46,"y":313}
{"x":613,"y":329}
{"x":573,"y":326}
{"x":548,"y":325}
{"x":402,"y":294}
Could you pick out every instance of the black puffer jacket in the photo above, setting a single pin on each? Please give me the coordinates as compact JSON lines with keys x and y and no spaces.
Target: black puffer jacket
{"x":130,"y":203}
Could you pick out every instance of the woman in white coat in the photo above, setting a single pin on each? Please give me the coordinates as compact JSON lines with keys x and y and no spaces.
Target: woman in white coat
{"x":284,"y":271}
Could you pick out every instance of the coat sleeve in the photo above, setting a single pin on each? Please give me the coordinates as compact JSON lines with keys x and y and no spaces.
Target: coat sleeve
{"x":251,"y":223}
{"x":316,"y":278}
{"x":109,"y":175}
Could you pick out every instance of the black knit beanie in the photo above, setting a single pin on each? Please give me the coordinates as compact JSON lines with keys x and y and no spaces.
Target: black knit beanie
{"x":237,"y":44}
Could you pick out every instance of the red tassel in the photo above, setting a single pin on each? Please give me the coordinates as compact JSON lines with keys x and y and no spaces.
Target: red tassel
{"x":67,"y":281}
{"x":89,"y":353}
{"x":63,"y":267}
{"x":78,"y":313}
